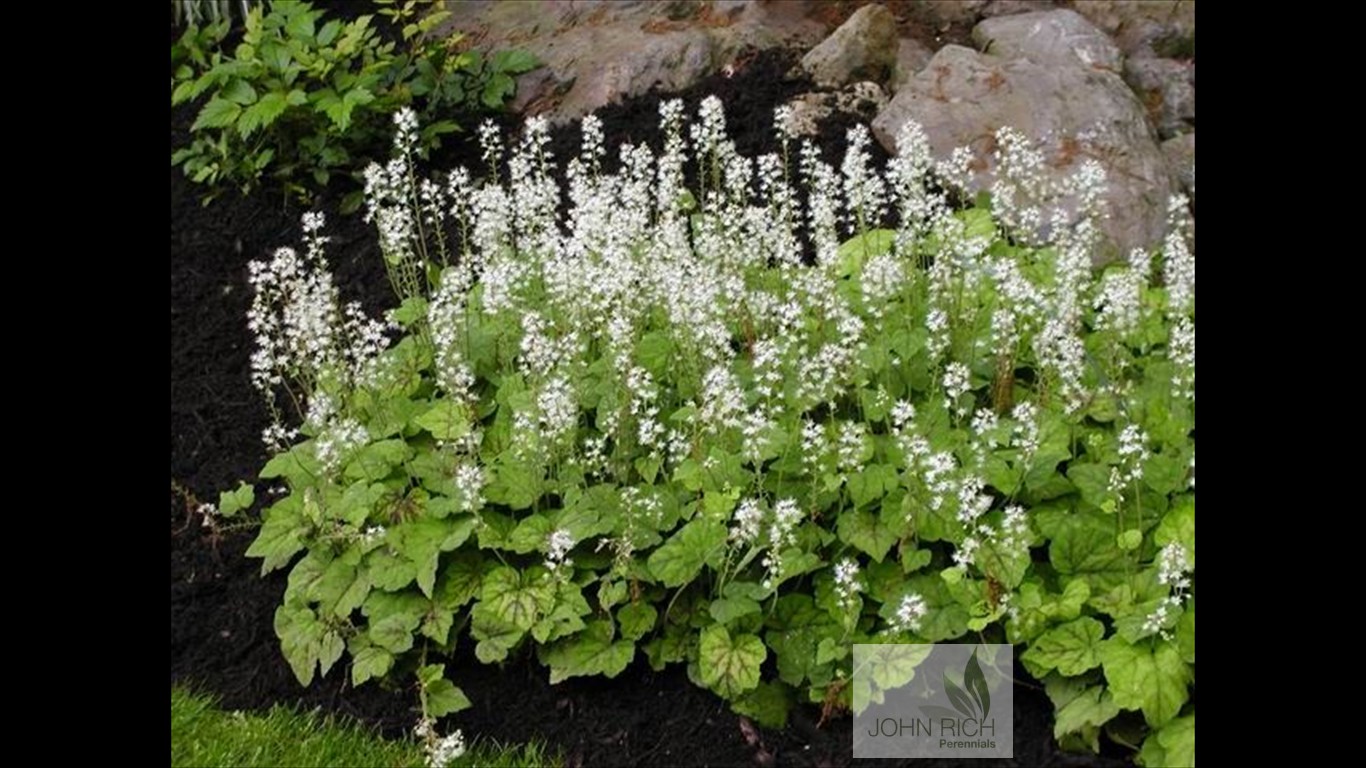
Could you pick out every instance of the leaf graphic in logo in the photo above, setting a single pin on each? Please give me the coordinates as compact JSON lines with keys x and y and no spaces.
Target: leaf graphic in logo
{"x":976,"y":683}
{"x":960,"y":700}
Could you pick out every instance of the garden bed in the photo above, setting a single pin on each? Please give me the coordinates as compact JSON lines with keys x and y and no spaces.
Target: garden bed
{"x":222,"y":637}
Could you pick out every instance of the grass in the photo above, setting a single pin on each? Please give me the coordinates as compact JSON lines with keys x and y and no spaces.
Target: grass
{"x":204,"y":735}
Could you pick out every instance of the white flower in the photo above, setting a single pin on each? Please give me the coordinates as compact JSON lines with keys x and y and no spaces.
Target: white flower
{"x":469,"y":481}
{"x":1025,"y":434}
{"x":558,"y":412}
{"x":1181,"y":351}
{"x":955,"y":386}
{"x":748,"y":517}
{"x":1179,"y":265}
{"x":557,"y":547}
{"x":910,"y":613}
{"x":722,"y":399}
{"x":847,"y":584}
{"x":441,"y":751}
{"x":1172,"y":566}
{"x":781,"y":534}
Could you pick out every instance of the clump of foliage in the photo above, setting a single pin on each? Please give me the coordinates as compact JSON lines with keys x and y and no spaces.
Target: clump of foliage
{"x":301,"y":98}
{"x":653,"y":429}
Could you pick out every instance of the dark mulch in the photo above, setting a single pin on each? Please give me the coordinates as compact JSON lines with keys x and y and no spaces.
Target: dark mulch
{"x":222,"y":638}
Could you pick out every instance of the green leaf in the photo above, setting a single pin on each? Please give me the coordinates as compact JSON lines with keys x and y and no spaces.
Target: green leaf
{"x":1130,"y":539}
{"x":218,"y":113}
{"x":422,"y":542}
{"x":514,"y":61}
{"x":281,"y":535}
{"x":377,"y":460}
{"x":727,"y":609}
{"x":499,"y":87}
{"x":636,"y":619}
{"x":515,"y":483}
{"x":1093,"y":707}
{"x":1178,"y":524}
{"x":239,"y":92}
{"x":337,"y":110}
{"x":390,"y":570}
{"x":440,"y":695}
{"x":341,"y":587}
{"x":653,"y":352}
{"x":300,"y":635}
{"x":730,"y":666}
{"x":946,"y":616}
{"x":328,"y":33}
{"x":1165,"y":472}
{"x":1093,"y":481}
{"x":370,"y":662}
{"x":1173,"y":745}
{"x":681,"y":558}
{"x":234,"y":501}
{"x":1147,"y":677}
{"x":517,"y":598}
{"x":1070,"y":648}
{"x":566,"y":618}
{"x":855,"y":251}
{"x":795,"y":637}
{"x":866,"y":531}
{"x":1185,"y":633}
{"x":395,"y":633}
{"x":885,"y":667}
{"x":913,"y":559}
{"x":262,"y":113}
{"x":591,"y":652}
{"x":297,"y":465}
{"x":1084,"y":545}
{"x":460,"y":580}
{"x":300,"y":25}
{"x":611,"y":593}
{"x":767,"y":704}
{"x":871,"y":484}
{"x":530,"y":535}
{"x":829,"y":649}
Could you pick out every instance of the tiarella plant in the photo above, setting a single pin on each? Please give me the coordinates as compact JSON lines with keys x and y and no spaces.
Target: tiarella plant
{"x":717,"y":428}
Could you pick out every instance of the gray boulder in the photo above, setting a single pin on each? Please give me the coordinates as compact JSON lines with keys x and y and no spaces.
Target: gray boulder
{"x":1180,"y":155}
{"x":596,"y":52}
{"x":1072,"y":112}
{"x":1048,"y":37}
{"x":862,"y":48}
{"x":911,"y":57}
{"x":1167,"y":88}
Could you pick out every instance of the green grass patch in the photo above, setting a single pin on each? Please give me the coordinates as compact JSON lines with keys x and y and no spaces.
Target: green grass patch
{"x":203,"y":735}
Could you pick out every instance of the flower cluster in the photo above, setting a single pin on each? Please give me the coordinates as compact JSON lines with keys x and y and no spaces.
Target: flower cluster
{"x":440,"y":750}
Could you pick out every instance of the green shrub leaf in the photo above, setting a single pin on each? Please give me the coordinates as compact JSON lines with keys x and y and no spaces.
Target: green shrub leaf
{"x":681,"y":557}
{"x":1144,"y":676}
{"x":1071,"y":648}
{"x":730,"y":665}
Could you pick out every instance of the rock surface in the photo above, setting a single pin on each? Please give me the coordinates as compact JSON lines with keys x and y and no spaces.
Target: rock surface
{"x":1101,"y":79}
{"x":1180,"y":154}
{"x":1060,"y":37}
{"x":911,"y":57}
{"x":1167,"y":88}
{"x":1072,"y":112}
{"x":863,"y":48}
{"x":597,"y":53}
